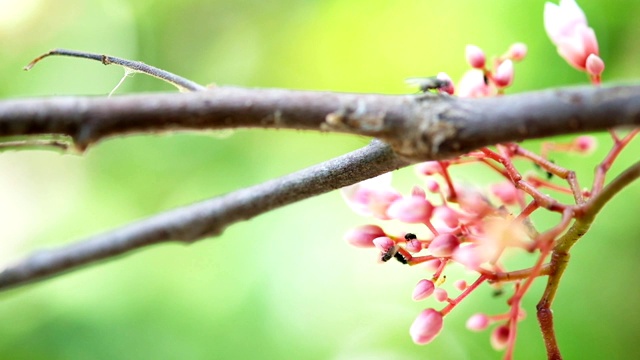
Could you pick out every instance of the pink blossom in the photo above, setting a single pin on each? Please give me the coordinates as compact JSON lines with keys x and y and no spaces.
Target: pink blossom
{"x":423,"y":290}
{"x":475,"y":57}
{"x":426,"y":326}
{"x":503,"y":76}
{"x":362,"y":236}
{"x":460,"y":285}
{"x":371,"y":197}
{"x":594,"y":65}
{"x":506,"y":192}
{"x":413,"y":246}
{"x":447,"y":215}
{"x":517,"y":51}
{"x":429,"y":168}
{"x":566,"y":26}
{"x":449,"y":89}
{"x":410,"y":209}
{"x":473,"y":84}
{"x":440,"y":294}
{"x":383,"y":243}
{"x":500,"y":337}
{"x":585,"y":144}
{"x":469,"y":256}
{"x":478,"y":322}
{"x":443,"y":245}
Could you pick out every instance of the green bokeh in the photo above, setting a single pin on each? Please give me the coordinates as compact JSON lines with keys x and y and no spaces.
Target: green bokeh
{"x":284,"y":285}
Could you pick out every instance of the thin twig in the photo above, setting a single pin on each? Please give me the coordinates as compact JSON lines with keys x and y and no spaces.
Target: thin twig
{"x":136,"y":66}
{"x":207,"y":218}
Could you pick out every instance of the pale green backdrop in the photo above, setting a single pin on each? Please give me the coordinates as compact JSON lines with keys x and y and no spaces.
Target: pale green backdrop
{"x":284,"y":285}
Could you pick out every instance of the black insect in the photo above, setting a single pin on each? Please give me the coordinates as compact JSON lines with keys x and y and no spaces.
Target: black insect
{"x":410,"y":236}
{"x":425,"y":84}
{"x":387,"y":255}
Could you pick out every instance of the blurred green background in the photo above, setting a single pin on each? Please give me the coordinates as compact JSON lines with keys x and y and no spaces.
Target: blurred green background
{"x":284,"y":285}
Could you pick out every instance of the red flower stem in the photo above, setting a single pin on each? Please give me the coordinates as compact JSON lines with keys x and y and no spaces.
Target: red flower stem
{"x":447,"y":178}
{"x":463,"y":295}
{"x":605,"y":165}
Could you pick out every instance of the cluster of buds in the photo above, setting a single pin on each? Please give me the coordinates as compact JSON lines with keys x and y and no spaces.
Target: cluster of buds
{"x":470,"y":226}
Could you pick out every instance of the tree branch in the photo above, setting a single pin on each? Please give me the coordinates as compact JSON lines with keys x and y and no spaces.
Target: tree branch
{"x":420,"y":127}
{"x":207,"y":218}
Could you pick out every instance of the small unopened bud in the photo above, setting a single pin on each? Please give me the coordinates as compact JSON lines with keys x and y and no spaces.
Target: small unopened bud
{"x":594,"y":65}
{"x":440,"y":294}
{"x":413,"y":246}
{"x":384,"y":243}
{"x":423,"y":290}
{"x":500,"y":337}
{"x":460,"y":285}
{"x":417,"y":191}
{"x":585,"y":144}
{"x":411,"y":210}
{"x":448,"y":83}
{"x":426,"y":326}
{"x":517,"y":51}
{"x":443,"y":245}
{"x":504,"y":74}
{"x":362,"y":236}
{"x":478,"y":322}
{"x":475,"y":57}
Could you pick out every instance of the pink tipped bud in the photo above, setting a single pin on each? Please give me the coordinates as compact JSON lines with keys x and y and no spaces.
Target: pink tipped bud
{"x":432,"y":185}
{"x":468,"y":256}
{"x":475,"y":57}
{"x":506,"y":192}
{"x":447,"y":215}
{"x":423,"y":290}
{"x":473,"y":85}
{"x":460,"y":285}
{"x":410,"y":210}
{"x":440,"y":294}
{"x":594,"y":65}
{"x":362,"y":236}
{"x":500,"y":337}
{"x":429,"y":168}
{"x":517,"y":51}
{"x":444,"y":245}
{"x":432,"y":265}
{"x":417,"y":191}
{"x":504,"y":74}
{"x":445,"y":79}
{"x":426,"y":326}
{"x":585,"y":144}
{"x":383,"y":243}
{"x":478,"y":322}
{"x":413,"y":246}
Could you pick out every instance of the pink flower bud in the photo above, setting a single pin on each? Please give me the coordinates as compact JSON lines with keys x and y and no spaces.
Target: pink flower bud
{"x":440,"y":294}
{"x":504,"y":74}
{"x":362,"y":236}
{"x":423,"y":290}
{"x":371,"y":197}
{"x":500,"y":337}
{"x":429,"y":168}
{"x":413,"y":246}
{"x":383,"y":243}
{"x":478,"y":322}
{"x":517,"y":51}
{"x":585,"y":144}
{"x":426,"y":326}
{"x":410,"y":210}
{"x":473,"y":85}
{"x":475,"y":57}
{"x":468,"y":256}
{"x":447,"y":215}
{"x":460,"y":285}
{"x":443,"y":245}
{"x":417,"y":191}
{"x":432,"y":265}
{"x":506,"y":192}
{"x":449,"y":89}
{"x":567,"y":28}
{"x":594,"y":65}
{"x":432,"y":185}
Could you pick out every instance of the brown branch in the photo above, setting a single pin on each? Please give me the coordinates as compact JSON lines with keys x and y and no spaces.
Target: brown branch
{"x":420,"y":127}
{"x":207,"y":218}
